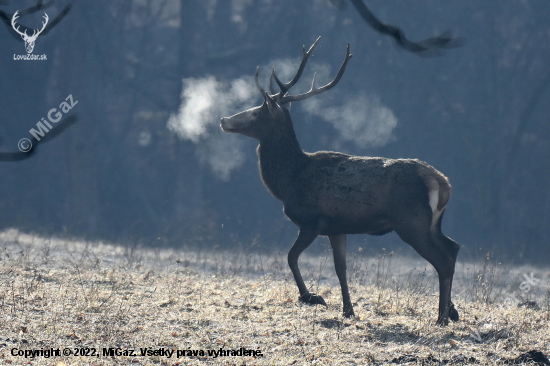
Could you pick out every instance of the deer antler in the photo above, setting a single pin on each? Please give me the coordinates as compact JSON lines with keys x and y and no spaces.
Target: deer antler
{"x":264,"y":93}
{"x":283,"y":98}
{"x":268,"y":98}
{"x":285,"y":87}
{"x":271,"y":89}
{"x":15,"y":16}
{"x":37,"y":32}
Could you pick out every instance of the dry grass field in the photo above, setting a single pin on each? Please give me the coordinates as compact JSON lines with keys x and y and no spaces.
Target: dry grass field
{"x":106,"y":302}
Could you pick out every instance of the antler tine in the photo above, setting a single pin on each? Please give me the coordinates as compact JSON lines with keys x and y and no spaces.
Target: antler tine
{"x":314,"y":91}
{"x":279,"y":83}
{"x":285,"y":87}
{"x":43,"y":24}
{"x":271,"y":89}
{"x":13,"y":19}
{"x":266,"y":96}
{"x":257,"y":82}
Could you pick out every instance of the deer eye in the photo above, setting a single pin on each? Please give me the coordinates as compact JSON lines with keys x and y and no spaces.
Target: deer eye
{"x":254,"y":114}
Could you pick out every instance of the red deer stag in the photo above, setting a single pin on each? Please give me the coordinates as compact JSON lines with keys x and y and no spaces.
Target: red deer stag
{"x":334,"y":194}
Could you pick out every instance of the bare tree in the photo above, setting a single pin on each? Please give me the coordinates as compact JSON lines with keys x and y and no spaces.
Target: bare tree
{"x":334,"y":194}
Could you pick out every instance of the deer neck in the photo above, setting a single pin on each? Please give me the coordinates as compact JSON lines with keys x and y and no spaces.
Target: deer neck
{"x":280,"y":157}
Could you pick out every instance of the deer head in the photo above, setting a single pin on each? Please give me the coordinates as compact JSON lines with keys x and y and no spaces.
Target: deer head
{"x":257,"y":122}
{"x":29,"y":40}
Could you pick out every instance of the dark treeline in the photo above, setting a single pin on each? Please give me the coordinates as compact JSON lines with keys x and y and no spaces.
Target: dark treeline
{"x":478,"y":113}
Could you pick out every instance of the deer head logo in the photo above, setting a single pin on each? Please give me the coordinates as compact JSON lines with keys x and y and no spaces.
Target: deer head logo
{"x":29,"y":40}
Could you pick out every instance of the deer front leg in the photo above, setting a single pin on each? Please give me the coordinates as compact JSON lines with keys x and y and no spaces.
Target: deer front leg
{"x":305,"y":238}
{"x":338,"y":244}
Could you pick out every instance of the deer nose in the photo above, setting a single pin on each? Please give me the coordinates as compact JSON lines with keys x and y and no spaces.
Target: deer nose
{"x":223,"y":124}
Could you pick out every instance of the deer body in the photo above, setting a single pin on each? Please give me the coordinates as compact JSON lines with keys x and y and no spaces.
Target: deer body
{"x":353,"y":195}
{"x":334,"y":194}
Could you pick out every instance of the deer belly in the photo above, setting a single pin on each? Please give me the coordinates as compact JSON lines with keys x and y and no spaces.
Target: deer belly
{"x":354,"y":220}
{"x":374,"y":225}
{"x":353,"y":214}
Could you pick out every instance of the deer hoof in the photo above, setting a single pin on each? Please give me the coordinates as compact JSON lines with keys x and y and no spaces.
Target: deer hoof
{"x":312,"y":299}
{"x":453,"y":313}
{"x":348,"y":313}
{"x":443,"y":321}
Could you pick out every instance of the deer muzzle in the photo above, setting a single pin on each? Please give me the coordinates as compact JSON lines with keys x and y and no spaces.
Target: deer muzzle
{"x":225,"y":125}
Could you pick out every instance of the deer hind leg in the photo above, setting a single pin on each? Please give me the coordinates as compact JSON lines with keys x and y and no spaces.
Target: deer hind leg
{"x":446,"y":259}
{"x":305,"y":238}
{"x":439,"y":192}
{"x":416,"y":229}
{"x":451,"y":248}
{"x":446,"y":266}
{"x":444,"y":263}
{"x":338,"y":244}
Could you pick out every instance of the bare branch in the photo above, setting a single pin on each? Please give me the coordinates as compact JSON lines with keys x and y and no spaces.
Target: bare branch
{"x":58,"y":18}
{"x":52,"y":134}
{"x":39,"y":6}
{"x":427,"y":47}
